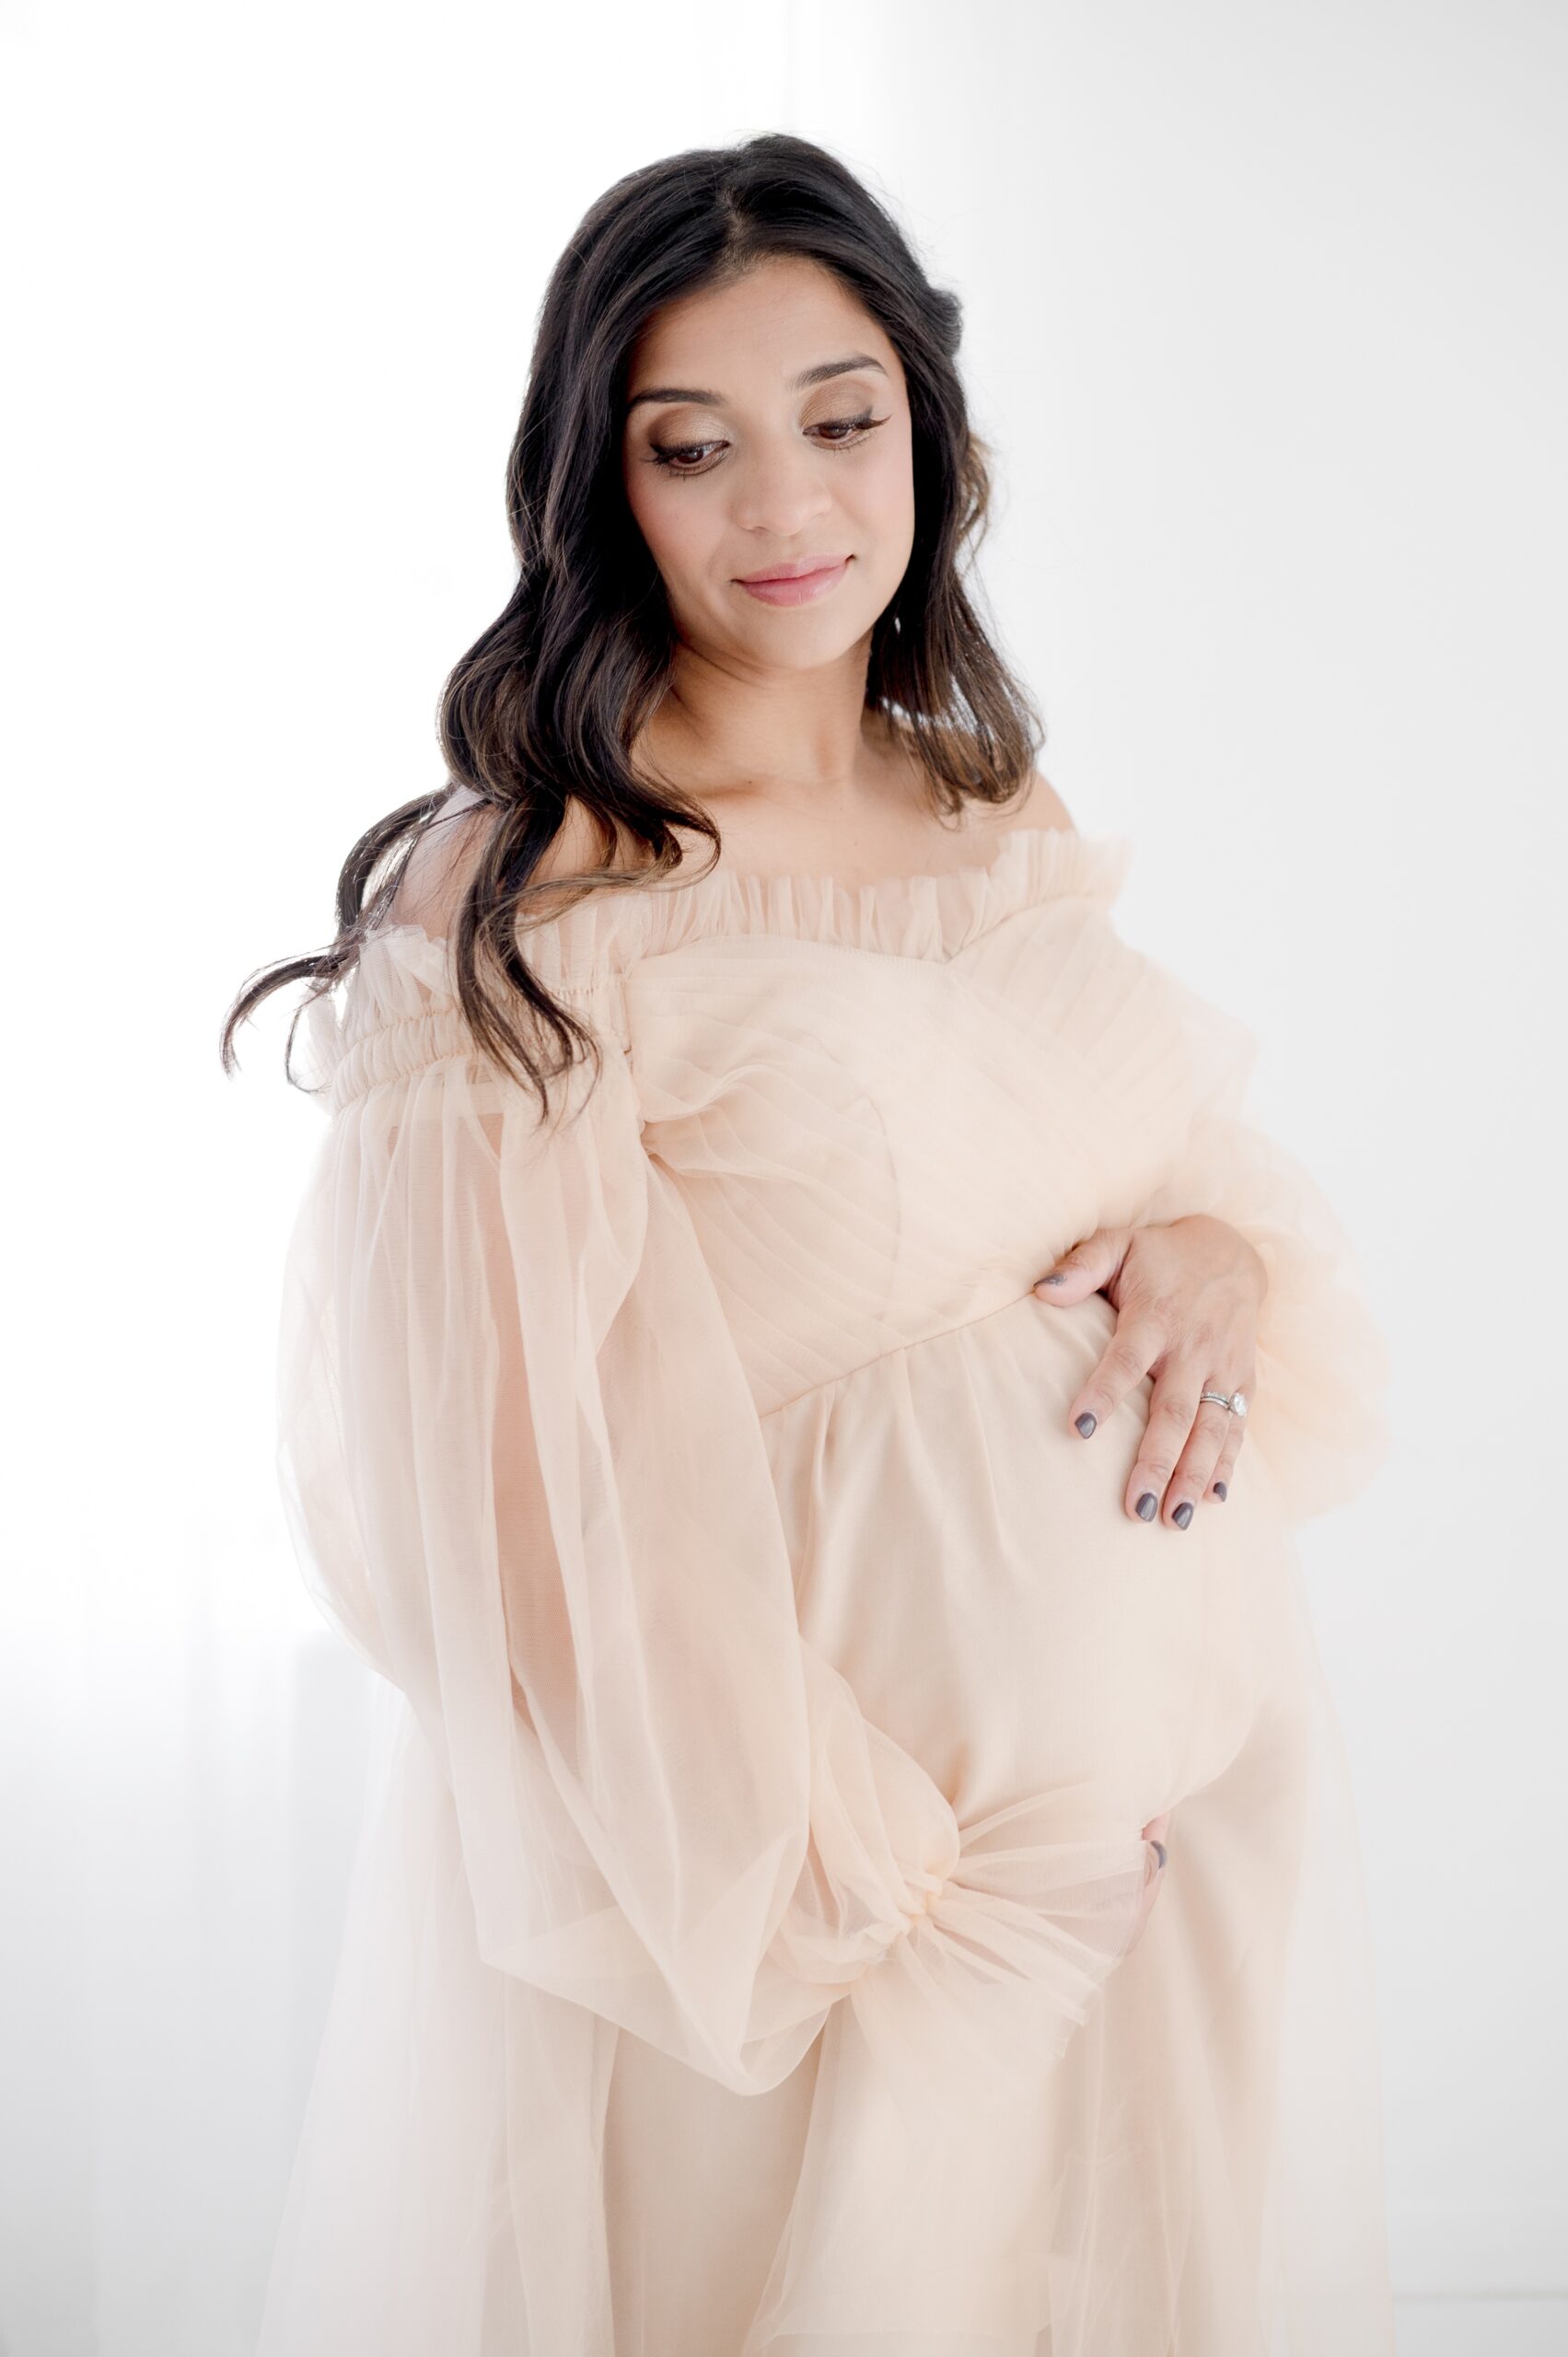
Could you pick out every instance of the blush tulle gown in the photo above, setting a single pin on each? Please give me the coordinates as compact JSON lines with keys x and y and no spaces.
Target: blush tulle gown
{"x":740,"y":1952}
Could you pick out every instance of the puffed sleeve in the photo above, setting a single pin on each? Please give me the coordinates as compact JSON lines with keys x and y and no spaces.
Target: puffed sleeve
{"x":1318,"y":1409}
{"x":526,"y":1478}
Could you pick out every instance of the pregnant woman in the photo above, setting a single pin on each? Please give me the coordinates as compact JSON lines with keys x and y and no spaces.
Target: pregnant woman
{"x":800,"y":1373}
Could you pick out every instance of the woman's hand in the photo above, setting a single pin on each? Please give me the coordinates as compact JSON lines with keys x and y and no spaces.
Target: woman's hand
{"x":1187,"y":1293}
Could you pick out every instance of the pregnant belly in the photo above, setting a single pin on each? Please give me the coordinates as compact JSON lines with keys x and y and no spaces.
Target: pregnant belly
{"x":966,"y":1560}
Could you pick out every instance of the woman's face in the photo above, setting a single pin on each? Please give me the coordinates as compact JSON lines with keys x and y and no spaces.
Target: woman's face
{"x":767,"y":425}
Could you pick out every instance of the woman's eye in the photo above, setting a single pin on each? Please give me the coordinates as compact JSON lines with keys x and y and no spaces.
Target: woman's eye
{"x":674,"y":455}
{"x":845,"y":425}
{"x":684,"y":457}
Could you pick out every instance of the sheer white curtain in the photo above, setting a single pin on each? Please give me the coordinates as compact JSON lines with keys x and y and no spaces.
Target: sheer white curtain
{"x":1257,"y":329}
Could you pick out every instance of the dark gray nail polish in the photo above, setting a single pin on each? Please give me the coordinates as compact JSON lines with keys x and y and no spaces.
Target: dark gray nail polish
{"x":1059,"y":1280}
{"x":1085,"y":1423}
{"x":1148,"y":1504}
{"x":1220,"y":1489}
{"x":1183,"y":1514}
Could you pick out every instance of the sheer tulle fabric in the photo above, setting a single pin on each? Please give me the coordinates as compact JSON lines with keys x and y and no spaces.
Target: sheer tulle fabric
{"x":739,"y":1957}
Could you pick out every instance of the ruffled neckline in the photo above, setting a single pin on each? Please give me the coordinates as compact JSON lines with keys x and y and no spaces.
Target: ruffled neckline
{"x":924,"y":915}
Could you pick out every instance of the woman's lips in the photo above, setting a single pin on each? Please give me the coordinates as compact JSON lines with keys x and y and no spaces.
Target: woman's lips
{"x":802,"y":588}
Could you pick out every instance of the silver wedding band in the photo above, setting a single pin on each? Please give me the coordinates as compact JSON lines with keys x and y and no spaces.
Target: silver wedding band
{"x":1235,"y":1401}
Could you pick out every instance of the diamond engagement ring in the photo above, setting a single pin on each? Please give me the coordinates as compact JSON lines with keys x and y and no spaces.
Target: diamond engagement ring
{"x":1237,"y":1402}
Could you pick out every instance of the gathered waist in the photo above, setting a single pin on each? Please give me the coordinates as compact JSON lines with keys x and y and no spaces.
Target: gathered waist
{"x":899,"y":1350}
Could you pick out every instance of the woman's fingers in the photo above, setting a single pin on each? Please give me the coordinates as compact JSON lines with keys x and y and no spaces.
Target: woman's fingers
{"x":1184,"y":1441}
{"x":1211,"y":1453}
{"x":1132,"y":1351}
{"x":1181,"y":1435}
{"x":1184,"y":1305}
{"x":1230,"y":1449}
{"x":1189,"y":1442}
{"x":1190,"y":1477}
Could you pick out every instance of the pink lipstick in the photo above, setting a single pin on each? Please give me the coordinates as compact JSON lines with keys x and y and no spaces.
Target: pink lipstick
{"x":798,"y":583}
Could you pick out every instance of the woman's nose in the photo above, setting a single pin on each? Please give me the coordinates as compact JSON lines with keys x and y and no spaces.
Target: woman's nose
{"x":780,"y":494}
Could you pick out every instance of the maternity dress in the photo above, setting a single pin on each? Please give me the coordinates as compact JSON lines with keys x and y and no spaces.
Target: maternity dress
{"x":739,"y":1957}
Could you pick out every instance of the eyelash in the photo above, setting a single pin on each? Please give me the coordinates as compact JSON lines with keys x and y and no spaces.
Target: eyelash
{"x":665,"y":456}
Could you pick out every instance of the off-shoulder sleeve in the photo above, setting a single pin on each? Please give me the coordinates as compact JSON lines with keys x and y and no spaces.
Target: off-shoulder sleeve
{"x":526,"y":1476}
{"x":1318,"y":1409}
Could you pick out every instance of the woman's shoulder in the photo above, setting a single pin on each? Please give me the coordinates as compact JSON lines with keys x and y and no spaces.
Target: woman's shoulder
{"x":932,"y":886}
{"x":446,"y":856}
{"x":1039,"y":806}
{"x":441,"y":868}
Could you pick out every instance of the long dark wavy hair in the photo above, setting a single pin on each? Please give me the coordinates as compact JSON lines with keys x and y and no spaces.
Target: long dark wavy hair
{"x":546,"y":707}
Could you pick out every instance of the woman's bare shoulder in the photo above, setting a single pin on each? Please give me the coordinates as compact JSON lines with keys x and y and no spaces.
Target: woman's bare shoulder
{"x":445,"y":858}
{"x":1035,"y":803}
{"x":1040,"y":805}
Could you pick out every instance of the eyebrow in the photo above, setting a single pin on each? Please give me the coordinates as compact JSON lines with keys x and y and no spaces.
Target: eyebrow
{"x":817,"y":376}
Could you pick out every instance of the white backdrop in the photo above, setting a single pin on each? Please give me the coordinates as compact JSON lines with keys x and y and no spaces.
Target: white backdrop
{"x":1265,"y":326}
